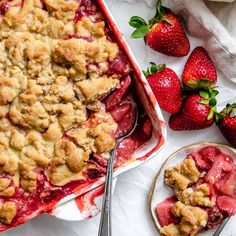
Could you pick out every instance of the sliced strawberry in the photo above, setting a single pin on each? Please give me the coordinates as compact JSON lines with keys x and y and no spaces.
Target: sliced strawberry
{"x":119,"y":114}
{"x":209,"y":153}
{"x":86,"y":9}
{"x":205,"y":157}
{"x":227,"y":185}
{"x":115,"y":98}
{"x":99,"y":160}
{"x":124,"y":151}
{"x":215,"y":217}
{"x":4,"y":8}
{"x":70,"y":36}
{"x":201,"y":162}
{"x":94,"y":173}
{"x":143,"y":131}
{"x":214,"y":193}
{"x":119,"y":66}
{"x":227,"y":204}
{"x":164,"y":212}
{"x":126,"y":123}
{"x":222,"y":164}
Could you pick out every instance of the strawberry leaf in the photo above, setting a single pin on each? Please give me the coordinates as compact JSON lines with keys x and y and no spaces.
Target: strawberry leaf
{"x":213,"y":92}
{"x":165,"y":19}
{"x":204,"y":83}
{"x":160,"y":10}
{"x":233,"y":113}
{"x":219,"y":116}
{"x":136,"y":21}
{"x":140,"y":32}
{"x":212,"y":102}
{"x":161,"y":67}
{"x":230,"y":107}
{"x":204,"y":102}
{"x":159,"y":6}
{"x":147,"y":72}
{"x":187,"y":88}
{"x":204,"y":94}
{"x":192,"y":84}
{"x":154,"y":68}
{"x":211,"y":114}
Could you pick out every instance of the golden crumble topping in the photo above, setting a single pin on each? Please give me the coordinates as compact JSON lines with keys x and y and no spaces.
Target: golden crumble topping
{"x":5,"y":189}
{"x":53,"y":73}
{"x":182,"y":175}
{"x":7,"y":212}
{"x":172,"y":230}
{"x":200,"y":196}
{"x":192,"y":219}
{"x":94,"y":88}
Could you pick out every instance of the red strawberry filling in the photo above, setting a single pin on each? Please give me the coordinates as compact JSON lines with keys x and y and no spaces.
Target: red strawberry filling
{"x":119,"y":66}
{"x":122,"y":107}
{"x":115,"y":98}
{"x":209,"y":153}
{"x":221,"y":180}
{"x":164,"y":213}
{"x":86,"y":9}
{"x":70,"y":36}
{"x":227,"y":185}
{"x":215,"y":217}
{"x":201,"y":162}
{"x":227,"y":204}
{"x":3,"y":8}
{"x":222,"y":164}
{"x":47,"y":195}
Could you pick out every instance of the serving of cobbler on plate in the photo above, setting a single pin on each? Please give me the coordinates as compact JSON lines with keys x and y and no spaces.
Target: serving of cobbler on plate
{"x":204,"y":190}
{"x":65,"y":95}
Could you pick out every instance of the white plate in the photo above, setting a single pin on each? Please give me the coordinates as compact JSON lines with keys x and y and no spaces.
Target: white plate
{"x":160,"y":191}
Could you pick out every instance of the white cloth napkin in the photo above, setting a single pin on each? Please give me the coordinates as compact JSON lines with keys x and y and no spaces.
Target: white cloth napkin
{"x":215,"y":23}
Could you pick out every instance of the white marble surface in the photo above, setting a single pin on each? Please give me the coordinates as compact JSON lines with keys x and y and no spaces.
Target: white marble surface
{"x":130,"y":212}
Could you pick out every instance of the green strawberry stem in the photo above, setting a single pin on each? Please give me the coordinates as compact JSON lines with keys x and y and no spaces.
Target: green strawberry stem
{"x":142,"y":27}
{"x":203,"y":83}
{"x":160,"y":10}
{"x":210,"y":99}
{"x":230,"y":110}
{"x":219,"y":116}
{"x":154,"y":69}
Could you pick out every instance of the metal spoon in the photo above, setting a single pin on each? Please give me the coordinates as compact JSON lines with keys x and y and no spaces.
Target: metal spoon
{"x":105,"y":228}
{"x":221,"y":227}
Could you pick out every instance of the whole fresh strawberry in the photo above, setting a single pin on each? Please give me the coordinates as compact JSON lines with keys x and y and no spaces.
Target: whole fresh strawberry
{"x":166,"y":86}
{"x":227,"y":123}
{"x":163,"y":33}
{"x":197,"y":112}
{"x":199,"y":71}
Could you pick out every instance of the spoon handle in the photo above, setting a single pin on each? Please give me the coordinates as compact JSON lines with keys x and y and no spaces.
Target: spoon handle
{"x":105,"y":228}
{"x":221,"y":227}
